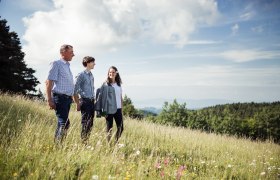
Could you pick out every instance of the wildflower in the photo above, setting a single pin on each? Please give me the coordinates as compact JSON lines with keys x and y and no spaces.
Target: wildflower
{"x":19,"y":120}
{"x":252,"y":164}
{"x":229,"y":166}
{"x":202,"y":162}
{"x":137,"y":152}
{"x":94,"y":177}
{"x":128,"y":176}
{"x":262,"y":173}
{"x":121,"y":145}
{"x":158,"y":166}
{"x":52,"y":173}
{"x":166,"y":161}
{"x":180,"y":172}
{"x":111,"y":177}
{"x":15,"y":174}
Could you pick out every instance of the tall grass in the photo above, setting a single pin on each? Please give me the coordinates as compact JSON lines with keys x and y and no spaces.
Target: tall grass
{"x":145,"y":150}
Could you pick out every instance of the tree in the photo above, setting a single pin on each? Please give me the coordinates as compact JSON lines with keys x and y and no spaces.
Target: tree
{"x":129,"y":109}
{"x":15,"y":76}
{"x":174,"y":114}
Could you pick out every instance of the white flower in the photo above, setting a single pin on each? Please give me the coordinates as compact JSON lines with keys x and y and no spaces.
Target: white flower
{"x":137,"y":152}
{"x":111,"y":177}
{"x":94,"y":177}
{"x":121,"y":145}
{"x":262,"y":173}
{"x":98,"y":143}
{"x":229,"y":166}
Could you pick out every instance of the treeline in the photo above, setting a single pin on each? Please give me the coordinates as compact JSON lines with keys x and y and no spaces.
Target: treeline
{"x":15,"y":76}
{"x":251,"y":120}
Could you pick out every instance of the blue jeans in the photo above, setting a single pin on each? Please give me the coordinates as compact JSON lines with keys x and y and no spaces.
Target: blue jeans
{"x":63,"y":103}
{"x":87,"y":111}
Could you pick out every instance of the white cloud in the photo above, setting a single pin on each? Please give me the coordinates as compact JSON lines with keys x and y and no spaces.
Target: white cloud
{"x":249,"y":11}
{"x":107,"y":25}
{"x":234,"y":29}
{"x":249,"y":55}
{"x":247,"y":16}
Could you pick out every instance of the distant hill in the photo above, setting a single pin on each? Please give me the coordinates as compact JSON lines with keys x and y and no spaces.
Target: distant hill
{"x":157,"y":104}
{"x":153,"y":110}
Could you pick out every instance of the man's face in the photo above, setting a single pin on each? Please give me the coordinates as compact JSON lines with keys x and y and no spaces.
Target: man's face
{"x":68,"y":54}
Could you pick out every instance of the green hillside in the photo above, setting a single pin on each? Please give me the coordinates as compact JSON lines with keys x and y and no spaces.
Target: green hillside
{"x":145,"y":150}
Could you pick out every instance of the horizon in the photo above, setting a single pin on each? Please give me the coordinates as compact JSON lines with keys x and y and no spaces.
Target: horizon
{"x":204,"y":52}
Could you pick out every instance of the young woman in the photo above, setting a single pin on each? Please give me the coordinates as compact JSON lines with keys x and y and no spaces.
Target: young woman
{"x":109,"y":102}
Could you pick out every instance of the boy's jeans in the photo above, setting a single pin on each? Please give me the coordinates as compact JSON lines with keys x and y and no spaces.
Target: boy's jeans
{"x":87,"y":111}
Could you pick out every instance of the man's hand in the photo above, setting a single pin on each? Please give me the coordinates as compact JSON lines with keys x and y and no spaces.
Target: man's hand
{"x":49,"y":85}
{"x":78,"y":106}
{"x":51,"y":104}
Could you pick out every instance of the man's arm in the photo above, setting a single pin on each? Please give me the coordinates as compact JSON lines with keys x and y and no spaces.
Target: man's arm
{"x":76,"y":100}
{"x":77,"y":90}
{"x":49,"y":86}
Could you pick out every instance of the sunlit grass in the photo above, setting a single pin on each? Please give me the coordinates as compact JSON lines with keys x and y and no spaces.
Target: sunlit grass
{"x":145,"y":150}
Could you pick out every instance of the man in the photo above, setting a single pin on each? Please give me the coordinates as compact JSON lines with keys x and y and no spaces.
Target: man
{"x":60,"y":89}
{"x":84,"y":87}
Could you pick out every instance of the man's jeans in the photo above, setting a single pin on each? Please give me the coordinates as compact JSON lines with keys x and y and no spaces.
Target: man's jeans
{"x":63,"y":103}
{"x":87,"y":111}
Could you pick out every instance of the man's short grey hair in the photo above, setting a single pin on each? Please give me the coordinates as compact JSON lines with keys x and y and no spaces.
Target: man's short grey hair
{"x":65,"y":47}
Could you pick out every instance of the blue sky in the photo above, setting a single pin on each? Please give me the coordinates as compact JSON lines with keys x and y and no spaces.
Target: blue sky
{"x":201,"y":52}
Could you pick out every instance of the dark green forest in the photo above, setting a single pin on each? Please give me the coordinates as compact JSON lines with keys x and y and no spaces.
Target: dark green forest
{"x":256,"y":121}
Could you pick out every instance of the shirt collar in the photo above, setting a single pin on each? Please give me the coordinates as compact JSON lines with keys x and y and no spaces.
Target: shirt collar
{"x":87,"y":72}
{"x":64,"y":61}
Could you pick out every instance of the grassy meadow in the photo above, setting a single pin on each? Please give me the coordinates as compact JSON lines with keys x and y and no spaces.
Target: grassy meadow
{"x":145,"y":150}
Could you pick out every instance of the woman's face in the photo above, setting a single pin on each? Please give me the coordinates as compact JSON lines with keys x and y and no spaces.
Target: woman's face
{"x":112,"y":73}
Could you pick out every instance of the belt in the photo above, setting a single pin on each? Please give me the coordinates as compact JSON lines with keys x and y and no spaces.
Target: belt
{"x":64,"y":95}
{"x":88,"y":99}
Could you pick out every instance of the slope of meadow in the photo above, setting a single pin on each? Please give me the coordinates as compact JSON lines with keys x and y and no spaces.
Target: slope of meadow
{"x":145,"y":150}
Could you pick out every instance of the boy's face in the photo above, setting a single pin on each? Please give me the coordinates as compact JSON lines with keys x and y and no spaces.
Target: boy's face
{"x":91,"y":65}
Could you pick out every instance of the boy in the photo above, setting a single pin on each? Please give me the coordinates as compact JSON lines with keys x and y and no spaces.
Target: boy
{"x":84,"y":87}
